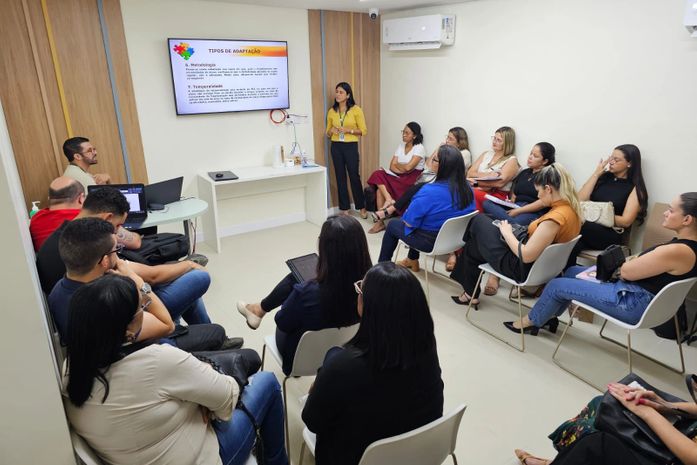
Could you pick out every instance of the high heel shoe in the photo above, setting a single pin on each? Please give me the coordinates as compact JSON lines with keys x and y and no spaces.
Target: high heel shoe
{"x":552,"y":325}
{"x":531,"y":330}
{"x":456,"y":299}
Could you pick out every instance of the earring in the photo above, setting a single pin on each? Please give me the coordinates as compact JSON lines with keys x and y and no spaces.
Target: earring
{"x":130,"y":337}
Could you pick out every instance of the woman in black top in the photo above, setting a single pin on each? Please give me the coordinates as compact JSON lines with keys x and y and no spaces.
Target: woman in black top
{"x":642,"y":277}
{"x":617,"y":179}
{"x":386,"y":380}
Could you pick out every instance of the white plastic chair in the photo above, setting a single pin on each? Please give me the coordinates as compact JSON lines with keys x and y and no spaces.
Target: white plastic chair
{"x":662,"y":308}
{"x":548,"y":265}
{"x":449,"y":240}
{"x":430,"y":444}
{"x":309,"y":356}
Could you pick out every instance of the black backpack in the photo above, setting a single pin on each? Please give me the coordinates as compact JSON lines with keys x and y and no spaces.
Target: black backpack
{"x":157,"y":249}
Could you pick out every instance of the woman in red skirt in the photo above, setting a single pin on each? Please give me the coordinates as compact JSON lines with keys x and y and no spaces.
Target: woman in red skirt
{"x":499,"y":164}
{"x":405,"y":168}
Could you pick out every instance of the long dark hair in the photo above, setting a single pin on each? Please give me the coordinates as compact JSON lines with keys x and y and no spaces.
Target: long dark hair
{"x":633,"y":156}
{"x":416,"y":129}
{"x":547,"y":151}
{"x":396,"y":327}
{"x":451,"y":168}
{"x":349,"y":101}
{"x":99,"y":314}
{"x":688,"y":203}
{"x":343,"y":259}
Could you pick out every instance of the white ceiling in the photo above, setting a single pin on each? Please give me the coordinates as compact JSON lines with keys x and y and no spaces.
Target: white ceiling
{"x":361,"y":6}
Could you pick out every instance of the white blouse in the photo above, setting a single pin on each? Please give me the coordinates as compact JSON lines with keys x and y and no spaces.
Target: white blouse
{"x":417,"y":150}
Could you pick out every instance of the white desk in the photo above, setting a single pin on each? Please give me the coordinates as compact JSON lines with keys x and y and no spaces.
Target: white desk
{"x":253,"y":185}
{"x":184,"y":210}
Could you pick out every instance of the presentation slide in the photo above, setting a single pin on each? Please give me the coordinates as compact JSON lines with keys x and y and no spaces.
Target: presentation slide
{"x":218,"y":76}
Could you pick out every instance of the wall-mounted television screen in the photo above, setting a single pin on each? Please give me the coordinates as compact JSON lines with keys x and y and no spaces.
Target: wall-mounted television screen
{"x":219,"y":76}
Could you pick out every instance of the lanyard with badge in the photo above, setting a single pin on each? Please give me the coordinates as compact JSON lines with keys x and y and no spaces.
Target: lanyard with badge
{"x":341,"y":125}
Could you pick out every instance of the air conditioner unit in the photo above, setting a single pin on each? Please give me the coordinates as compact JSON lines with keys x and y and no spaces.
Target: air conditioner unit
{"x":419,"y":32}
{"x":691,"y":17}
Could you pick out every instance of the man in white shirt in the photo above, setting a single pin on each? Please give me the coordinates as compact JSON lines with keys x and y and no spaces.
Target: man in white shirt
{"x":81,"y":154}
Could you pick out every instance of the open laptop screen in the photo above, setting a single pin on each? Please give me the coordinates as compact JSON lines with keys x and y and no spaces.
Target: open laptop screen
{"x":134,"y":193}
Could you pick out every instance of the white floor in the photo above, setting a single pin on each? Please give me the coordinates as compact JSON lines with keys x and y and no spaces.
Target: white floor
{"x":514,"y":399}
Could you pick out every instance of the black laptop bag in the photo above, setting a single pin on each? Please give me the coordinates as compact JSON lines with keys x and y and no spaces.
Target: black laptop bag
{"x":157,"y":249}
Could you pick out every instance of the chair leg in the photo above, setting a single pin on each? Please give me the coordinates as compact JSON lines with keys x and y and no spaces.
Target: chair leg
{"x":678,"y":339}
{"x":482,"y":328}
{"x":520,"y":315}
{"x":302,"y":453}
{"x":566,"y":369}
{"x":285,"y":415}
{"x":454,"y":458}
{"x":663,"y":364}
{"x":263,"y":356}
{"x":629,"y":350}
{"x":428,"y":286}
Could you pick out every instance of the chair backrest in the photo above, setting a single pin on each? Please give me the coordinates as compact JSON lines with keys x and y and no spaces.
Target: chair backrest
{"x":313,"y":346}
{"x":654,"y":233}
{"x":428,"y":445}
{"x":449,"y":237}
{"x":665,"y":304}
{"x":550,"y":263}
{"x":83,"y":450}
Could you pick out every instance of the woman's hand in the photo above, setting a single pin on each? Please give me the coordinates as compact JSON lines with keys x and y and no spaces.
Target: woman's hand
{"x":334,"y":130}
{"x":600,"y":169}
{"x":506,"y":229}
{"x":514,"y":212}
{"x":637,"y":401}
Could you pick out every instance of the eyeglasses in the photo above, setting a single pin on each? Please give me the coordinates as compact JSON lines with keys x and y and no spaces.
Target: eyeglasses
{"x":497,"y":139}
{"x":358,"y":286}
{"x":435,"y":160}
{"x":117,"y":249}
{"x":89,"y":150}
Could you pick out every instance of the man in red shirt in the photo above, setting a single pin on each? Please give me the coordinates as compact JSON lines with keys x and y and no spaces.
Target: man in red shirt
{"x":65,"y":198}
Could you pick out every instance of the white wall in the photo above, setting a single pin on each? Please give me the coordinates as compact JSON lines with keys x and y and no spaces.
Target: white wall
{"x":187,"y":145}
{"x":586,"y":76}
{"x":33,"y":428}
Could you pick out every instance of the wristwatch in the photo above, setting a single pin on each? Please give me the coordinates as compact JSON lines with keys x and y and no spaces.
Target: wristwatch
{"x":145,"y":289}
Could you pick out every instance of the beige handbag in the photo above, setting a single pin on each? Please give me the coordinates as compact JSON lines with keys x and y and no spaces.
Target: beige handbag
{"x":602,"y":213}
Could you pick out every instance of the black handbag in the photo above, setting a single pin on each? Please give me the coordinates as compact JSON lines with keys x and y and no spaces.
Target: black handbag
{"x":370,"y":196}
{"x":157,"y":249}
{"x":238,"y":363}
{"x":609,"y":262}
{"x":616,"y":420}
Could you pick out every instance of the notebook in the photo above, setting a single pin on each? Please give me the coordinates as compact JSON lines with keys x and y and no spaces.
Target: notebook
{"x":164,"y":192}
{"x":304,"y":268}
{"x":135,"y":194}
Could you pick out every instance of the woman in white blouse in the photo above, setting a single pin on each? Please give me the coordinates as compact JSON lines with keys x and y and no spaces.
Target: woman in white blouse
{"x":406,"y":166}
{"x":155,"y":404}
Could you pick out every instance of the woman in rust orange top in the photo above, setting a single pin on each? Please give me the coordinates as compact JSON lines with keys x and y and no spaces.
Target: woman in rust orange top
{"x":486,"y":242}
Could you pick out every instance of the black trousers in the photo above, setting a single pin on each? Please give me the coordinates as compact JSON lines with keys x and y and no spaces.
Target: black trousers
{"x":596,"y":237}
{"x":345,"y":158}
{"x":279,"y":293}
{"x":597,"y":449}
{"x":199,"y":337}
{"x":483,"y":244}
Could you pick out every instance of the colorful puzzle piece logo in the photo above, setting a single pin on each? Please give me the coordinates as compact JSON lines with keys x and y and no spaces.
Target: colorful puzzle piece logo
{"x":184,"y":50}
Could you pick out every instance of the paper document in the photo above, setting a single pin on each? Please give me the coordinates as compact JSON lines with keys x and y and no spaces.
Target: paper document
{"x":501,"y":202}
{"x":588,"y":275}
{"x":390,"y":172}
{"x":488,"y":178}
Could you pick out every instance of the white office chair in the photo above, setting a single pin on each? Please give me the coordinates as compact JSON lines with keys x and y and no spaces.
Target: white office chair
{"x":430,"y":444}
{"x":449,"y":240}
{"x":661,"y":308}
{"x":309,"y":356}
{"x":547,"y":267}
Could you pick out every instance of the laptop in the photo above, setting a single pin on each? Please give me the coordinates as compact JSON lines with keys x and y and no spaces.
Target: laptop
{"x":304,"y":268}
{"x":135,"y":194}
{"x":164,"y":192}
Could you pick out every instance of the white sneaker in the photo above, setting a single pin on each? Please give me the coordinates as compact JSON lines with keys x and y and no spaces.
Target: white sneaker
{"x":253,"y":321}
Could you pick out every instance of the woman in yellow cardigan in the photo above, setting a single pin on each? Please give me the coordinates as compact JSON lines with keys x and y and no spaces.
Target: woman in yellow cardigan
{"x":345,"y":124}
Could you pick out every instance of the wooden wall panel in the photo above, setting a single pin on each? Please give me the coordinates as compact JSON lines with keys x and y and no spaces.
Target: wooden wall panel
{"x":23,"y":105}
{"x":29,"y":109}
{"x":352,"y":54}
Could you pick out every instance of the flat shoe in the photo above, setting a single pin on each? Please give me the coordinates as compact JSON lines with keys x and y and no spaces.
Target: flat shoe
{"x":232,"y":343}
{"x":377,"y":227}
{"x":364,"y":215}
{"x":524,"y":457}
{"x":490,"y":290}
{"x":413,"y":265}
{"x":253,"y":321}
{"x":456,"y":299}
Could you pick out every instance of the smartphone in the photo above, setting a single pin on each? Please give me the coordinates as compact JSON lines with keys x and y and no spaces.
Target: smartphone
{"x":496,"y":223}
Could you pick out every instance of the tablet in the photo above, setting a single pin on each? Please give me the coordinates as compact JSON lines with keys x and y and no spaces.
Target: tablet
{"x":304,"y":268}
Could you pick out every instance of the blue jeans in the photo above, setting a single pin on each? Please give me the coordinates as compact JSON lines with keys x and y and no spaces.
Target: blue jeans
{"x":182,"y":297}
{"x":262,"y":397}
{"x":621,"y":300}
{"x":418,"y":238}
{"x":498,"y":212}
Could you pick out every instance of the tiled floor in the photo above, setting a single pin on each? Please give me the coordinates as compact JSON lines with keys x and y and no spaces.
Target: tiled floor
{"x":514,"y":399}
